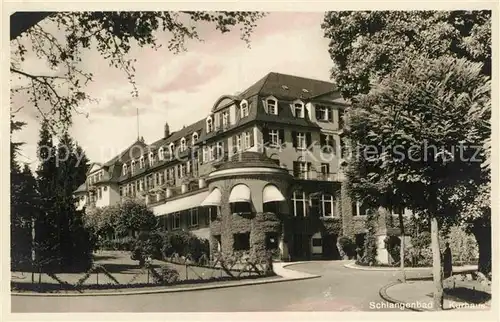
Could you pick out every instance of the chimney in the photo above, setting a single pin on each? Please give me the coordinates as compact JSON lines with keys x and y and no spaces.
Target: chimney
{"x":167,"y":130}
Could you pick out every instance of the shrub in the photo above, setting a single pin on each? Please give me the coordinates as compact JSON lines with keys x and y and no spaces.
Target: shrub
{"x":393,"y":246}
{"x":347,"y":248}
{"x":161,"y":245}
{"x":165,"y":275}
{"x":370,"y":253}
{"x":124,"y":244}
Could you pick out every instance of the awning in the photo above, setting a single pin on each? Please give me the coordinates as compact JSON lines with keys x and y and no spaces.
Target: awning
{"x":240,"y":193}
{"x":182,"y":203}
{"x":213,"y":198}
{"x":271,"y":193}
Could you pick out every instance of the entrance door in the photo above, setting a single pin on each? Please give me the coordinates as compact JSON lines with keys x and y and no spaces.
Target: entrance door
{"x":330,"y":250}
{"x":298,"y":249}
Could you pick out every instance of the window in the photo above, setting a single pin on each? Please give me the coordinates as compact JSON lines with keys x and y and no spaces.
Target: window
{"x":194,"y":138}
{"x":182,"y":170}
{"x":176,"y":220}
{"x":272,"y":106}
{"x":272,"y":241}
{"x":193,"y":217}
{"x":237,"y":143}
{"x":299,"y":203}
{"x":121,"y":192}
{"x":272,"y":206}
{"x":248,"y":139}
{"x":328,"y":143}
{"x":161,"y":155}
{"x":324,"y":113}
{"x":341,"y":119}
{"x":225,"y":119}
{"x":327,"y":205}
{"x":124,"y":172}
{"x":151,"y":159}
{"x":183,"y":144}
{"x":301,"y":169}
{"x":151,"y":181}
{"x":99,"y":193}
{"x":159,"y":177}
{"x":316,"y":242}
{"x":241,"y":241}
{"x":301,"y":140}
{"x":141,"y":162}
{"x":298,"y":109}
{"x":244,"y":109}
{"x":274,"y":138}
{"x":216,"y":121}
{"x":171,"y":149}
{"x":241,"y":208}
{"x":206,"y":153}
{"x":141,"y":185}
{"x":209,"y":124}
{"x":132,"y":167}
{"x":358,"y":209}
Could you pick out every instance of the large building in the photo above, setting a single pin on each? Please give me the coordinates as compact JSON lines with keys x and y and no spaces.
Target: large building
{"x":261,"y":172}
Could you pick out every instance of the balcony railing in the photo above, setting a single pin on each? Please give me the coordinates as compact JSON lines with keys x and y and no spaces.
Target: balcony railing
{"x":316,"y":175}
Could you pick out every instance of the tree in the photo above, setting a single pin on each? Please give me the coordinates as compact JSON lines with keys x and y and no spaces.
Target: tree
{"x":366,"y":46}
{"x":415,"y":131}
{"x":58,"y":94}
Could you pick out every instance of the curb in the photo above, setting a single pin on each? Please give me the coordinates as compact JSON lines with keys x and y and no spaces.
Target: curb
{"x":383,"y":294}
{"x":279,"y":279}
{"x":456,"y":269}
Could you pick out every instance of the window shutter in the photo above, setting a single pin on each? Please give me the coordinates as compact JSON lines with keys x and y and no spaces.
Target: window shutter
{"x":330,"y":114}
{"x":282,"y":136}
{"x":265,"y":133}
{"x":294,"y":139}
{"x":308,"y":139}
{"x":250,"y":133}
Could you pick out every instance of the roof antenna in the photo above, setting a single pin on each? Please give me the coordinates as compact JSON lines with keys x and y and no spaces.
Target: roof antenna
{"x":137,"y":110}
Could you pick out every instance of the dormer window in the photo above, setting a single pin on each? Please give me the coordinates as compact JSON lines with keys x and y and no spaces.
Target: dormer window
{"x":225,"y":119}
{"x":244,"y":108}
{"x":272,"y":106}
{"x":161,"y":152}
{"x":194,"y":138}
{"x":171,"y":150}
{"x":124,"y":169}
{"x":132,"y":167}
{"x":298,"y":109}
{"x":141,"y":162}
{"x":209,"y":124}
{"x":183,"y":144}
{"x":151,"y":159}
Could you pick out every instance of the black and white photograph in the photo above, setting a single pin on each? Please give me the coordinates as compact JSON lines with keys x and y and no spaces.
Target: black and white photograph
{"x":189,"y":161}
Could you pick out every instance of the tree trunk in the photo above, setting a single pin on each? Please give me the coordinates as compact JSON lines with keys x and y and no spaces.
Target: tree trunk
{"x":482,"y":233}
{"x":437,"y":272}
{"x":402,"y":248}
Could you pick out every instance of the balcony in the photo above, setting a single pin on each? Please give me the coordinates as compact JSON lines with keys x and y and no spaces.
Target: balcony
{"x":316,"y":175}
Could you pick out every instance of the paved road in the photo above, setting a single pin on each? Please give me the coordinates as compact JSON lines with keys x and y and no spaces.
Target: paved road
{"x":339,"y":289}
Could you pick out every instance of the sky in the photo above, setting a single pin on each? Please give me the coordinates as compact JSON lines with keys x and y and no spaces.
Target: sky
{"x":182,"y":88}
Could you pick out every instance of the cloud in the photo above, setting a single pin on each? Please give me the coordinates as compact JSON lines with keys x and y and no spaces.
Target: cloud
{"x":186,"y":73}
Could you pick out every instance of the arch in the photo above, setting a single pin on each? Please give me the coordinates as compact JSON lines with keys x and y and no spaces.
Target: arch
{"x":213,"y":198}
{"x":244,"y":108}
{"x":271,"y":193}
{"x":271,"y":104}
{"x":240,"y":193}
{"x":124,"y":169}
{"x":183,"y":144}
{"x":209,"y":124}
{"x":223,"y":101}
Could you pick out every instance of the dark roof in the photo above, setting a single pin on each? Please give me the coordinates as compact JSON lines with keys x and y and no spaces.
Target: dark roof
{"x":288,"y":87}
{"x":249,"y":159}
{"x":81,"y":188}
{"x":187,"y":131}
{"x":125,"y":155}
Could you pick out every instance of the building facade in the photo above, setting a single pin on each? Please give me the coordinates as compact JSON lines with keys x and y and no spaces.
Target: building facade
{"x":261,"y":172}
